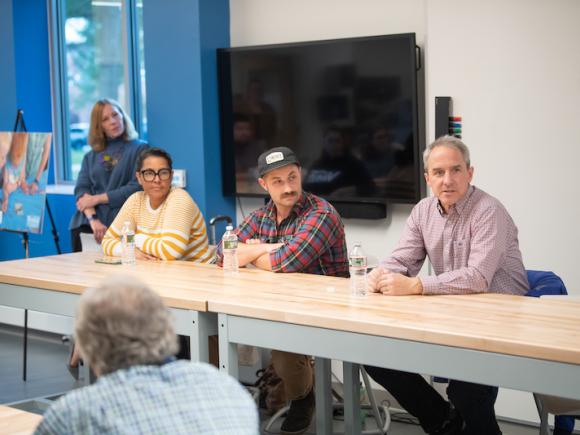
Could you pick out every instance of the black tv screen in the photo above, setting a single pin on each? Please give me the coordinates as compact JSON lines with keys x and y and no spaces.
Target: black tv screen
{"x":347,"y":107}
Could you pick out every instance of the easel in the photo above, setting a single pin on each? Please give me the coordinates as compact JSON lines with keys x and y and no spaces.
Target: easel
{"x":25,"y":244}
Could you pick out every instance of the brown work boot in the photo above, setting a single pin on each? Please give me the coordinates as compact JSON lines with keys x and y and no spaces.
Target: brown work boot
{"x":299,"y":415}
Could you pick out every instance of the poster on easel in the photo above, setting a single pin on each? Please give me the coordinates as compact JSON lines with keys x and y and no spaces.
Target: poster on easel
{"x":24,"y":158}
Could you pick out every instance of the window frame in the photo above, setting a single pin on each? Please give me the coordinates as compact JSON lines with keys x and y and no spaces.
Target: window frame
{"x":60,"y":104}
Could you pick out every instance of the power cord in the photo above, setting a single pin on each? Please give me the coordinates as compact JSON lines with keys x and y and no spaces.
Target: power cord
{"x":240,"y":207}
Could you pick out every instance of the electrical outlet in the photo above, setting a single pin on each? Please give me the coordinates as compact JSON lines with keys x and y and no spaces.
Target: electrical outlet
{"x":179,"y":178}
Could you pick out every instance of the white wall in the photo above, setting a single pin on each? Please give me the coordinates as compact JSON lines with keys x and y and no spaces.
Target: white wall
{"x":513,"y":70}
{"x":254,"y":22}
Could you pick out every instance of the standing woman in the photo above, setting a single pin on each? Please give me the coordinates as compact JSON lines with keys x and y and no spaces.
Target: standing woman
{"x":107,"y":176}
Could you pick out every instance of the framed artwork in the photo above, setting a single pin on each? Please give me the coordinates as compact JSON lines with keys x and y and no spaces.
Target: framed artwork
{"x":24,"y":158}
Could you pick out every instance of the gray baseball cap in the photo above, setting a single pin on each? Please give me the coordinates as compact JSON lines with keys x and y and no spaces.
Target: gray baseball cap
{"x":276,"y":158}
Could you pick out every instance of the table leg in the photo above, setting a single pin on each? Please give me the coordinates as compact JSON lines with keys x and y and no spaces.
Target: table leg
{"x":352,"y":419}
{"x":25,"y":346}
{"x":204,"y":325}
{"x":323,"y":396}
{"x":228,"y":350}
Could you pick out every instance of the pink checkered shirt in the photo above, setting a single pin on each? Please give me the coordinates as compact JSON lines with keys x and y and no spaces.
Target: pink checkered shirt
{"x":473,"y":248}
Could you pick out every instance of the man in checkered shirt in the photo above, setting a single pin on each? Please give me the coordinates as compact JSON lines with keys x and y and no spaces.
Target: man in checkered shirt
{"x":295,"y":232}
{"x":472,"y":244}
{"x":125,"y":332}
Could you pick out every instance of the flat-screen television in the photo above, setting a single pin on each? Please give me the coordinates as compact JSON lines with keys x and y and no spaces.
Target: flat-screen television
{"x":348,"y":108}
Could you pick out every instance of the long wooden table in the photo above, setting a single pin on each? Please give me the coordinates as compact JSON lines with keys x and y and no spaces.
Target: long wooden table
{"x":516,"y":342}
{"x":54,"y":285}
{"x":13,"y":421}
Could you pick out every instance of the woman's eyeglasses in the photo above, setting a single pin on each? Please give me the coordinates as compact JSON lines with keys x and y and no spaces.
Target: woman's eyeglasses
{"x":149,"y":174}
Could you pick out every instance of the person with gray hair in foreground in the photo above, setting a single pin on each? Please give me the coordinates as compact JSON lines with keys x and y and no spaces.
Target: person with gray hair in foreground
{"x":125,"y":332}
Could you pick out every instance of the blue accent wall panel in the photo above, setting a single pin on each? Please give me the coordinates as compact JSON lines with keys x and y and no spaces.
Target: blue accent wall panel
{"x":31,"y":89}
{"x":214,"y":33}
{"x":7,"y":67}
{"x":31,"y":53}
{"x":182,"y":100}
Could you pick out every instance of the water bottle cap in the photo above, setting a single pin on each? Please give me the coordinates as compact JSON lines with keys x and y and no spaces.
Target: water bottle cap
{"x":229,"y":228}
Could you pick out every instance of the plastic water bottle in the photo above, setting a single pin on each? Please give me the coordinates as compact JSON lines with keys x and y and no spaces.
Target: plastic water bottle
{"x":230,"y":251}
{"x":128,"y":243}
{"x":357,"y":261}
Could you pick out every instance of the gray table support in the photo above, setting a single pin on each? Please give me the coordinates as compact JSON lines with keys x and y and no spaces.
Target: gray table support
{"x":323,"y":396}
{"x":352,"y":420}
{"x":198,"y":326}
{"x":491,"y":368}
{"x":228,"y":350}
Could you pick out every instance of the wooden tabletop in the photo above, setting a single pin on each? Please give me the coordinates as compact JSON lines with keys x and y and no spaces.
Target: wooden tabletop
{"x":514,"y":325}
{"x":16,"y":422}
{"x":73,"y":273}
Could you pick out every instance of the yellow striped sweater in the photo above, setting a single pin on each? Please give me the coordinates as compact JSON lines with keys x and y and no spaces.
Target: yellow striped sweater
{"x":174,"y":231}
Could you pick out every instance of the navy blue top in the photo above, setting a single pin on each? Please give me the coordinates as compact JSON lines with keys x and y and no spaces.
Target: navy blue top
{"x":111,"y":171}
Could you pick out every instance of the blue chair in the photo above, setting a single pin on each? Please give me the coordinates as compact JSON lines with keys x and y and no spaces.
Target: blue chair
{"x":542,"y":284}
{"x":545,"y":283}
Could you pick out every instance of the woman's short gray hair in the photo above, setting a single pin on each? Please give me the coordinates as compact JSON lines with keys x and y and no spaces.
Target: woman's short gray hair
{"x":448,"y":141}
{"x":122,"y":323}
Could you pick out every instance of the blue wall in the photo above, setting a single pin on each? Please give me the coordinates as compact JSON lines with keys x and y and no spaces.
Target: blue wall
{"x":182,"y":104}
{"x":30,"y":85}
{"x":182,"y":100}
{"x":7,"y":72}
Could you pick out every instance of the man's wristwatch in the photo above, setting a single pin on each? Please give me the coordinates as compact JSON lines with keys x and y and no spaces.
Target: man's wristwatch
{"x":92,"y":217}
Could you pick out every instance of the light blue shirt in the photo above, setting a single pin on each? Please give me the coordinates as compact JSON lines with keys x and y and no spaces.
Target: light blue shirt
{"x":176,"y":398}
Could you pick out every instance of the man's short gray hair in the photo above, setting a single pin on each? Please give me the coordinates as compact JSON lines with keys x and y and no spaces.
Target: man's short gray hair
{"x":122,"y":323}
{"x":448,"y":141}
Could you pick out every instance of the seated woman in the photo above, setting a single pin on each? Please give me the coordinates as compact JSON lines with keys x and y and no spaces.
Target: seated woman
{"x":107,"y":175}
{"x":168,"y":224}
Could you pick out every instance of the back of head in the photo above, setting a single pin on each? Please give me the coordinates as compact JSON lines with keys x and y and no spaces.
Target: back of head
{"x":122,"y":323}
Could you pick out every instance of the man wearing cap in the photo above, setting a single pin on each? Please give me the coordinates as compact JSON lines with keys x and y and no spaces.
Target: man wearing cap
{"x":295,"y":232}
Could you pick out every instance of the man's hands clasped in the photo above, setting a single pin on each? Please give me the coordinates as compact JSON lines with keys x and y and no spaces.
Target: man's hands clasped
{"x":382,"y":280}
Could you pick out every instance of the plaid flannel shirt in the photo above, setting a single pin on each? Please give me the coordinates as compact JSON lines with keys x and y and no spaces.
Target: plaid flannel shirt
{"x":313,"y":237}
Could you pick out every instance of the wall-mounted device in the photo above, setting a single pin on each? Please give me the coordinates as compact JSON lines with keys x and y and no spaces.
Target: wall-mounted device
{"x":445,"y":122}
{"x":179,"y":178}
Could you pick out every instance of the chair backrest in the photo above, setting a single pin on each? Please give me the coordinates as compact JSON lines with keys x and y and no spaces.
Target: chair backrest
{"x":541,"y":284}
{"x":545,"y":283}
{"x":212,"y":222}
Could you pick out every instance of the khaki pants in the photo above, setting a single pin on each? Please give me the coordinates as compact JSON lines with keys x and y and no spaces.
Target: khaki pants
{"x":295,"y":371}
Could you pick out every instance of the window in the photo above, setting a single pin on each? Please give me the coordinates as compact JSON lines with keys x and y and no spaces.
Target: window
{"x":97,"y":52}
